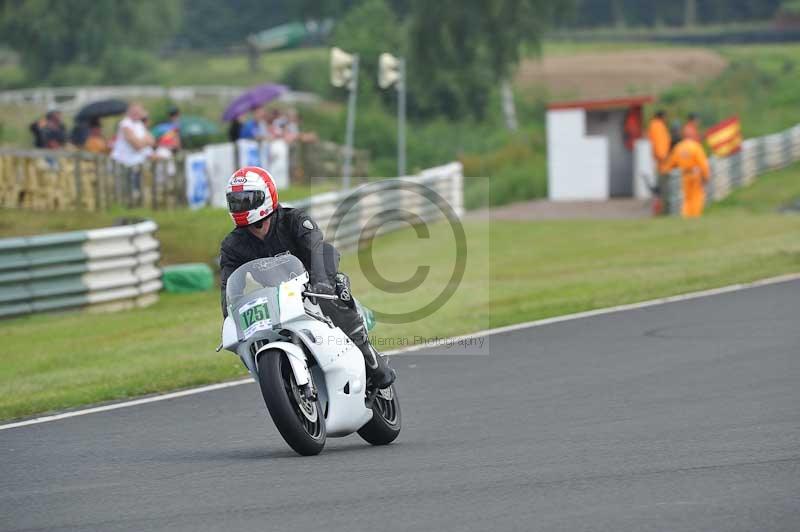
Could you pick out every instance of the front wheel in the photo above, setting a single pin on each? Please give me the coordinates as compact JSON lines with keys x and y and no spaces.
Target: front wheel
{"x":384,"y":427}
{"x":299,"y":419}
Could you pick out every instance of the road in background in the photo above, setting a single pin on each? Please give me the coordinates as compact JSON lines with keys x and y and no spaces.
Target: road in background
{"x":682,"y":416}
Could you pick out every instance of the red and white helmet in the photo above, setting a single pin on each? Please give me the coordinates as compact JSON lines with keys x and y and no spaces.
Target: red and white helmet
{"x":251,"y":195}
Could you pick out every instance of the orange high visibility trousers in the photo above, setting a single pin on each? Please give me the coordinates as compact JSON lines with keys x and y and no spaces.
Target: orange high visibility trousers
{"x":694,"y":195}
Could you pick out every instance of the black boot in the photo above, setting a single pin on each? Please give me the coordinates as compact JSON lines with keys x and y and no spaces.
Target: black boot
{"x":379,"y":374}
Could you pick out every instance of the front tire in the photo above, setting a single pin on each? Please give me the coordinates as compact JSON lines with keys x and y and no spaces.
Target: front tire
{"x":299,"y":420}
{"x":384,"y":427}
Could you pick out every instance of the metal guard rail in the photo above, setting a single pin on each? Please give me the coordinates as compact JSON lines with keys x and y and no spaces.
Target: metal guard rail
{"x":348,"y":218}
{"x":114,"y":267}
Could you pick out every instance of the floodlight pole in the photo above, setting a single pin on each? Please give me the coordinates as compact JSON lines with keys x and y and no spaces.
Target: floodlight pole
{"x":401,"y":118}
{"x":347,"y":169}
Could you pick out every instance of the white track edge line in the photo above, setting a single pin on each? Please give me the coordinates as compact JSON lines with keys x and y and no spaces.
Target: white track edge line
{"x":125,"y":404}
{"x":487,"y":332}
{"x":608,"y":310}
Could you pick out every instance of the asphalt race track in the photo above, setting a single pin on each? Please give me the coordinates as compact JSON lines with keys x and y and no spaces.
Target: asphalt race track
{"x":683,"y":416}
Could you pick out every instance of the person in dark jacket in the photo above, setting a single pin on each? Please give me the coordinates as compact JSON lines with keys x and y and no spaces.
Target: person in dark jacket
{"x":37,"y":130}
{"x":264,"y":228}
{"x":235,"y":129}
{"x":54,"y":133}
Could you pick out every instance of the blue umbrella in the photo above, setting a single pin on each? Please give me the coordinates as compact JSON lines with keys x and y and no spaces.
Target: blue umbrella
{"x":253,"y":98}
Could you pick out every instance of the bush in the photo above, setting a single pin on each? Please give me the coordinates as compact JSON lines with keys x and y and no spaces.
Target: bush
{"x":790,"y":7}
{"x":515,"y":172}
{"x":12,"y":77}
{"x":127,"y":65}
{"x":75,"y":74}
{"x":310,"y":75}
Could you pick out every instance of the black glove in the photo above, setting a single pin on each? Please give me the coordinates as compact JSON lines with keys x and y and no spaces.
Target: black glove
{"x":343,"y":290}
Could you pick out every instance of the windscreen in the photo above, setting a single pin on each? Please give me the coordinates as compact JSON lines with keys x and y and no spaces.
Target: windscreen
{"x":260,"y":273}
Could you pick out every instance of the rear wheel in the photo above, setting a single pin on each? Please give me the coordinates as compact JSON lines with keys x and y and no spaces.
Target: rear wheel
{"x":298,"y":418}
{"x":384,"y":427}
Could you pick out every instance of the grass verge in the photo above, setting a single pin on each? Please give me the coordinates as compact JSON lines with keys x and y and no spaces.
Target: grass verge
{"x":516,"y":271}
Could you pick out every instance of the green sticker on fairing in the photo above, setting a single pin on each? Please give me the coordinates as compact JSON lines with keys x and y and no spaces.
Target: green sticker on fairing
{"x":254,"y":316}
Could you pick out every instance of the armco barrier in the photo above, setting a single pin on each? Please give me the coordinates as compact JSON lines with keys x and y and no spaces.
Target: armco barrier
{"x":347,"y":217}
{"x":115,"y":267}
{"x":758,"y":155}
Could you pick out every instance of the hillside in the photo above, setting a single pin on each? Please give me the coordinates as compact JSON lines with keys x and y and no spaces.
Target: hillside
{"x":617,"y":73}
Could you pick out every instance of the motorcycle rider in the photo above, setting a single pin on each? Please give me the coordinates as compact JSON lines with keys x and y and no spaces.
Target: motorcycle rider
{"x":264,"y":228}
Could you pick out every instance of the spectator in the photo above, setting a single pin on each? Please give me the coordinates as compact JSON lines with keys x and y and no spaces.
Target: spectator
{"x":175,"y":119}
{"x":293,"y":132}
{"x":79,"y":134}
{"x":167,"y":145}
{"x":54,"y":134}
{"x":148,"y":150}
{"x":257,"y":128}
{"x":276,"y":124}
{"x":169,"y":140}
{"x":249,"y":129}
{"x":96,"y":142}
{"x":235,"y":129}
{"x":174,"y":115}
{"x":168,"y":133}
{"x":133,"y":146}
{"x":691,"y":129}
{"x":37,"y":129}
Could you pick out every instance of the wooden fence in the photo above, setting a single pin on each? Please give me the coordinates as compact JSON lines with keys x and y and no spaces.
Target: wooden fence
{"x":57,"y":180}
{"x":74,"y":180}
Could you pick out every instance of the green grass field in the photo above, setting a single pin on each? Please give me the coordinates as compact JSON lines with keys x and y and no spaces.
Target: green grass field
{"x":516,"y":271}
{"x":773,"y":190}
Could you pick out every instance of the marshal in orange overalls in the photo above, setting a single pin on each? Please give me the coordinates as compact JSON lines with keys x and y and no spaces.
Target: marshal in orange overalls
{"x":658,"y":133}
{"x":688,"y":155}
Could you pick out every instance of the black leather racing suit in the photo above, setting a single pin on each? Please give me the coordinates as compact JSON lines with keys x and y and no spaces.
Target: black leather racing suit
{"x":294,"y":231}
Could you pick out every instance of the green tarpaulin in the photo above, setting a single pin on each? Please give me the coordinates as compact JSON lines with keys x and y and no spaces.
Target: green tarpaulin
{"x":186,"y":278}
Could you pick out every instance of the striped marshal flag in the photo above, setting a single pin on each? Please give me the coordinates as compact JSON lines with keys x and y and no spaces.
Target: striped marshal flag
{"x":725,"y":138}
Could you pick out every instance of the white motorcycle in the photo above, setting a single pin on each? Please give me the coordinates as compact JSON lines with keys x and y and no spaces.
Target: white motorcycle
{"x":312,"y":377}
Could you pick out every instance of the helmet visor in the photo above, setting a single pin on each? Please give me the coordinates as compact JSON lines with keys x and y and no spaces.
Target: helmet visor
{"x":245,"y":200}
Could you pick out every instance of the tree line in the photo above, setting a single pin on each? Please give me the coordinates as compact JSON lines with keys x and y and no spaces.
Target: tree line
{"x":653,"y":13}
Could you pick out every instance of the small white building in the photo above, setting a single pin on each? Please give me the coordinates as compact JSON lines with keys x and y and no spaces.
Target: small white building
{"x":596,"y":149}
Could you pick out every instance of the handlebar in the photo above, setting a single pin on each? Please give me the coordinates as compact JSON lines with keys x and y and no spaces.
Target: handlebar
{"x":332,"y":297}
